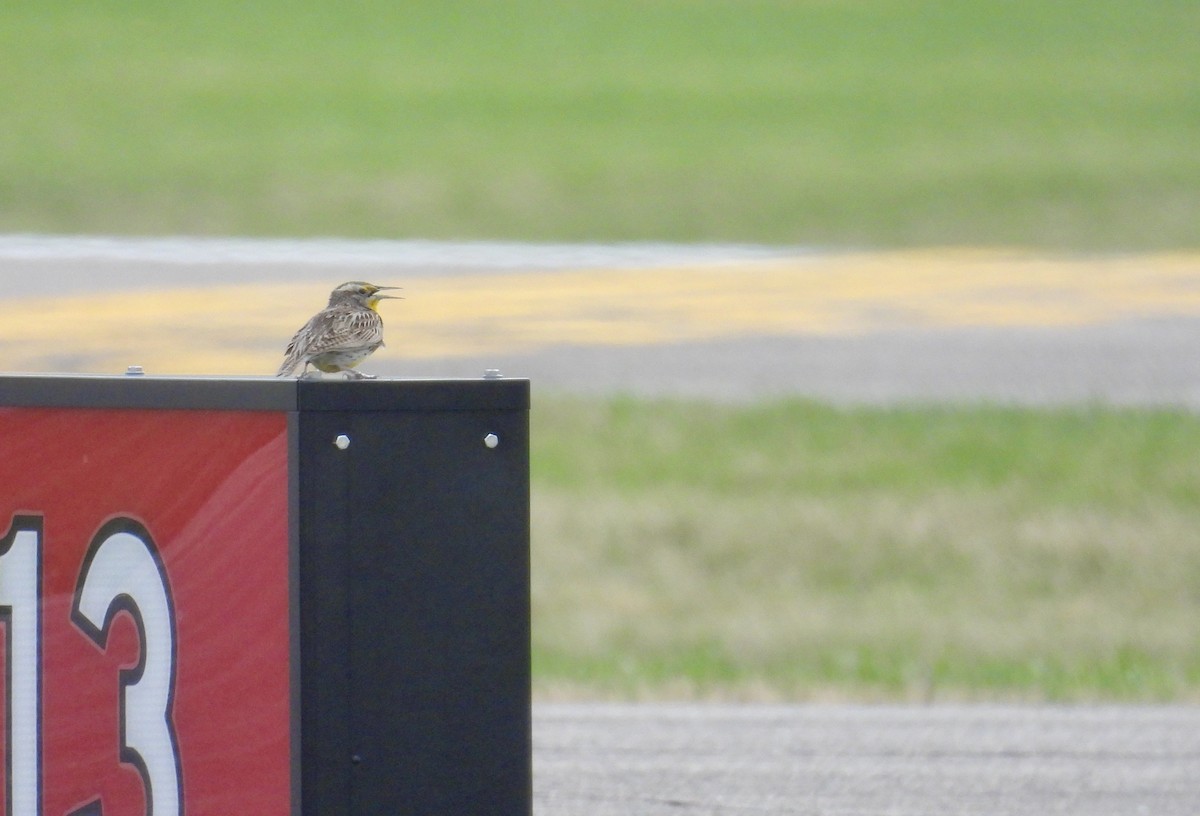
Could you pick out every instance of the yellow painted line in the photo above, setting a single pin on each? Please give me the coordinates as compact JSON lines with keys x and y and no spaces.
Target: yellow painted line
{"x":242,"y":329}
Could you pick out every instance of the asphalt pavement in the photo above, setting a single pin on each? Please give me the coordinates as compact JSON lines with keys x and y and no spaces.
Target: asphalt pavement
{"x":720,"y":322}
{"x":1148,"y":362}
{"x":851,"y":760}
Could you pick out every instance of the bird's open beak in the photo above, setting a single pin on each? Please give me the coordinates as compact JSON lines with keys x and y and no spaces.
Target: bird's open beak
{"x":378,"y":296}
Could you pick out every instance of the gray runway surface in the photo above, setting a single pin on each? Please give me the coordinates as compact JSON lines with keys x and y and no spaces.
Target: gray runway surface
{"x":655,"y":760}
{"x":1144,"y":361}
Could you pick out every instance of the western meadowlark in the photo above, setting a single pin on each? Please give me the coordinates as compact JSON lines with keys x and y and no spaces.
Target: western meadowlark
{"x":341,"y":335}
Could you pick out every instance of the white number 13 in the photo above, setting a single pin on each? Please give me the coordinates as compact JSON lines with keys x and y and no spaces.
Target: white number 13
{"x":121,"y":572}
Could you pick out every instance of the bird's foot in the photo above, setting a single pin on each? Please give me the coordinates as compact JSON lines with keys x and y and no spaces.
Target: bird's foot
{"x":355,"y":374}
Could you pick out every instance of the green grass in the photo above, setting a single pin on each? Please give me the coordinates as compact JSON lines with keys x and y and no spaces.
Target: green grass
{"x":796,"y":551}
{"x":900,"y":122}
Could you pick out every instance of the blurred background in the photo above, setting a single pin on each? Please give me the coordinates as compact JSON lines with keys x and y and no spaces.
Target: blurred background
{"x":1066,"y":126}
{"x":862,"y":333}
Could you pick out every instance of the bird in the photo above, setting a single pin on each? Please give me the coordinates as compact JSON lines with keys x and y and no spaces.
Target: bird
{"x":341,"y":335}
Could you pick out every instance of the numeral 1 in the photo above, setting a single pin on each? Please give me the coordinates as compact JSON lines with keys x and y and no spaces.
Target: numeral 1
{"x":20,"y":611}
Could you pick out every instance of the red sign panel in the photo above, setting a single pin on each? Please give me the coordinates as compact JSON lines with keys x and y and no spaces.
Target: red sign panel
{"x":144,"y":611}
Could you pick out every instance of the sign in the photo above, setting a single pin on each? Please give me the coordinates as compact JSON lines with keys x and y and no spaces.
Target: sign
{"x":144,"y":607}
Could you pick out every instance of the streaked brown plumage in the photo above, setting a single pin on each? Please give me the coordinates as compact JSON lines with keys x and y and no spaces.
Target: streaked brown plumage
{"x":341,"y":335}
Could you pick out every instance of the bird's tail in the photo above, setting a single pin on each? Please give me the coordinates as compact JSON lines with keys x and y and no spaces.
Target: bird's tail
{"x":289,"y":366}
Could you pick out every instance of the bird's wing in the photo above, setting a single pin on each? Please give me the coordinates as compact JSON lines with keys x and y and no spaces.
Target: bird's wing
{"x":331,"y":330}
{"x":347,"y":330}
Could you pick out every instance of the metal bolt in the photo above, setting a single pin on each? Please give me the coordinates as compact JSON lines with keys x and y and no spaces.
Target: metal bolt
{"x":134,"y":371}
{"x":342,"y":441}
{"x":492,"y":374}
{"x":491,"y":440}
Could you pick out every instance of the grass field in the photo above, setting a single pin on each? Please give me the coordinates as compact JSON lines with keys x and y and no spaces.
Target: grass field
{"x":796,"y":551}
{"x":902,"y":122}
